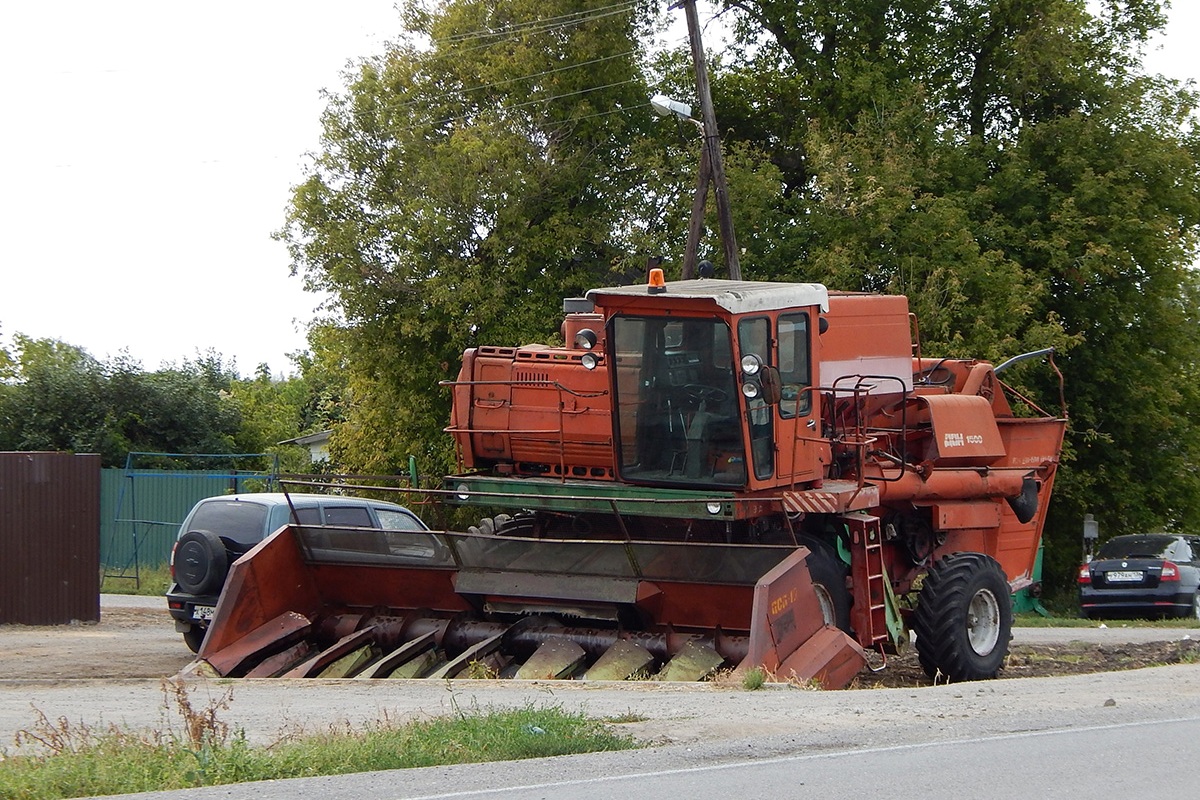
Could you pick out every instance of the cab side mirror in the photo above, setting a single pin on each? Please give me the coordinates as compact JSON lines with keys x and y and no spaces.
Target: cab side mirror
{"x":772,"y":385}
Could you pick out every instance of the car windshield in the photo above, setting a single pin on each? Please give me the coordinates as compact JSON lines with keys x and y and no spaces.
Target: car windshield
{"x":231,"y":519}
{"x":1149,"y":546}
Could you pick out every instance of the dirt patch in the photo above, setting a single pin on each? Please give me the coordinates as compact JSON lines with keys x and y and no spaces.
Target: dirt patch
{"x":125,"y":643}
{"x":1047,"y":660}
{"x":142,"y":643}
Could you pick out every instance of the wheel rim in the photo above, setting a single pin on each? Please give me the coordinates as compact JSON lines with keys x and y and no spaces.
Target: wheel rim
{"x":826,"y":601}
{"x":1196,"y":606}
{"x":983,"y":622}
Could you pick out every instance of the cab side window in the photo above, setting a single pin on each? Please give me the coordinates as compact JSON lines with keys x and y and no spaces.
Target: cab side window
{"x":308,"y":516}
{"x":795,"y":373}
{"x":348,"y":517}
{"x":397,"y":520}
{"x":754,"y":338}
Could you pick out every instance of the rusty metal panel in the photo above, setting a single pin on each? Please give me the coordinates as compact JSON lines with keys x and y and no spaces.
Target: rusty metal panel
{"x":957,"y":515}
{"x":964,"y":430}
{"x":50,"y":537}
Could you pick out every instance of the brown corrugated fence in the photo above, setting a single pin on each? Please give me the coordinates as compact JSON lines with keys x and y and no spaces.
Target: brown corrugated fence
{"x":49,"y":538}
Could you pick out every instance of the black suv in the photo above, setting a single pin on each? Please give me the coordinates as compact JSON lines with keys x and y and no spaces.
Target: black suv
{"x":219,"y":530}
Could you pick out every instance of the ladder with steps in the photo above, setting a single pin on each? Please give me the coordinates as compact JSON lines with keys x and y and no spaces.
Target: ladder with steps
{"x":869,"y":613}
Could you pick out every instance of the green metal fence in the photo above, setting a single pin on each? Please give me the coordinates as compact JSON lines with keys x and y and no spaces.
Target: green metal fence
{"x":141,"y":510}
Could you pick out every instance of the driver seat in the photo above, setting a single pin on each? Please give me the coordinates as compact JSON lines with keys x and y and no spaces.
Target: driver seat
{"x":697,"y":437}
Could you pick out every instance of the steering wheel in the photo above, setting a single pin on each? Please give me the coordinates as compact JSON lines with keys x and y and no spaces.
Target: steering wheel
{"x":699,"y":391}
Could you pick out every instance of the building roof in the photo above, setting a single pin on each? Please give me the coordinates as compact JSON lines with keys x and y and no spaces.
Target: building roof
{"x":310,"y":439}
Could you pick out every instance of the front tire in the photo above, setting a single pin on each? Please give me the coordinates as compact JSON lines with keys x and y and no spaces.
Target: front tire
{"x":963,"y":619}
{"x":828,"y":575}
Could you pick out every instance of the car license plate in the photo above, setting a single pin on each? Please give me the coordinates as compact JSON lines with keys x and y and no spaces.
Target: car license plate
{"x":204,"y":612}
{"x":1123,"y":576}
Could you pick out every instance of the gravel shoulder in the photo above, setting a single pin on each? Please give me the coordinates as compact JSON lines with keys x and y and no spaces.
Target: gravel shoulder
{"x":112,"y":673}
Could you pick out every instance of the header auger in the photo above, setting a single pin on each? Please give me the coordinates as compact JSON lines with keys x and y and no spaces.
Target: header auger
{"x":706,"y":475}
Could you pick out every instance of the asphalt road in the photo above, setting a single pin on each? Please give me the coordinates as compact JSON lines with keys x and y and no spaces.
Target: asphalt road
{"x":1127,"y":734}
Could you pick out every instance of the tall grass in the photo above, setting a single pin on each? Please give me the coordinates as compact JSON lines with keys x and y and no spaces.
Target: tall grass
{"x":151,"y":581}
{"x":59,"y":759}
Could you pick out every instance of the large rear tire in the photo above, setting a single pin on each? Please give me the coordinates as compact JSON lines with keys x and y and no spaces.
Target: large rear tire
{"x":201,"y":562}
{"x":963,"y":619}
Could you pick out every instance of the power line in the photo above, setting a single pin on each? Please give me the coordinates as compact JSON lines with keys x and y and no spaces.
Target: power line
{"x":570,"y":94}
{"x":573,"y":120}
{"x":507,"y":81}
{"x":526,"y":104}
{"x":531,"y":29}
{"x":575,"y":18}
{"x":550,"y":71}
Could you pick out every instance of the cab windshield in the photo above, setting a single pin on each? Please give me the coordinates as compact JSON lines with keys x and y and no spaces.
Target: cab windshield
{"x":676,"y":401}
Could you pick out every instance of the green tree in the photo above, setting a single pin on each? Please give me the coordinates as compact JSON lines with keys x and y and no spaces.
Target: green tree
{"x":469,"y":178}
{"x":1007,"y":164}
{"x":59,"y":397}
{"x":271,"y":411}
{"x":180,"y":409}
{"x":55,"y":400}
{"x":7,"y":365}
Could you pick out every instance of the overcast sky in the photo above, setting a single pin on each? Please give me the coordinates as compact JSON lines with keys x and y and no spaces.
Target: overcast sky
{"x":149,"y":147}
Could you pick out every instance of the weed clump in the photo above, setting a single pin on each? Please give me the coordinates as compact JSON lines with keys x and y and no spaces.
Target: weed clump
{"x":754,"y":679}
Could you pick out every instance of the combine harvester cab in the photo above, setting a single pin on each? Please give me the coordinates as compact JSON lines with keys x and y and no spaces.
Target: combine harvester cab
{"x":708,"y":475}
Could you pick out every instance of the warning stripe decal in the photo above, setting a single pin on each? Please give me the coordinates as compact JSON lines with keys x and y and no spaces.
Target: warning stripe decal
{"x":833,"y":500}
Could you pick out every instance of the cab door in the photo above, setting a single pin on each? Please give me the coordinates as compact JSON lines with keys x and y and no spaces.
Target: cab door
{"x":803,"y":452}
{"x":754,"y":339}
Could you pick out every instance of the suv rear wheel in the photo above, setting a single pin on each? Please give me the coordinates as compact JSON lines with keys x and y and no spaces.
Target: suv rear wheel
{"x":201,"y":562}
{"x":194,"y":637}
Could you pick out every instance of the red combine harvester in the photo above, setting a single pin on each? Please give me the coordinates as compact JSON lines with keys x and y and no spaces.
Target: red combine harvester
{"x":707,"y":475}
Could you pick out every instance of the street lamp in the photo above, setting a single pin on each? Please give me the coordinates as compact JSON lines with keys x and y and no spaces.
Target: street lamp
{"x":666,"y":107}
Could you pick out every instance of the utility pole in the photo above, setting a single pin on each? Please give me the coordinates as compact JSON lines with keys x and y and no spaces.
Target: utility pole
{"x":712,"y":149}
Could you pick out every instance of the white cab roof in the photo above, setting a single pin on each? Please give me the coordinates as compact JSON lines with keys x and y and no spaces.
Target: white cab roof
{"x":737,"y":297}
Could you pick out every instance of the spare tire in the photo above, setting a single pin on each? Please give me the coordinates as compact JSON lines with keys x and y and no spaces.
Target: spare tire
{"x":201,"y":562}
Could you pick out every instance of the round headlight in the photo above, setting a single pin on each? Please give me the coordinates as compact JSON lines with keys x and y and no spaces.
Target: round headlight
{"x":713,"y":508}
{"x":751,"y":389}
{"x":589,"y":360}
{"x":464,"y":492}
{"x":585,"y":339}
{"x":751,"y":364}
